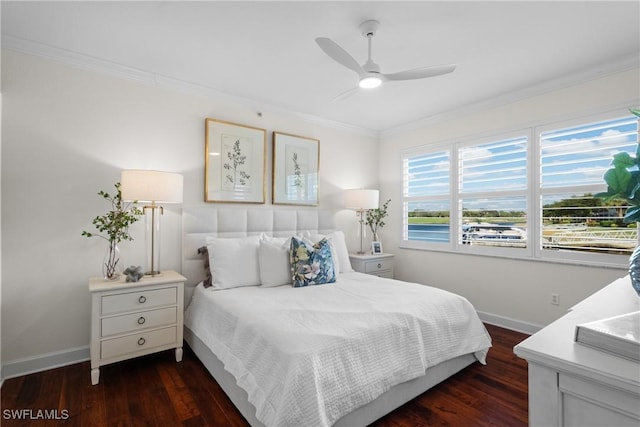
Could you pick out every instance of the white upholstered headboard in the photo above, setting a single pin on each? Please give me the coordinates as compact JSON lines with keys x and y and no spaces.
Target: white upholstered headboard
{"x":202,"y":221}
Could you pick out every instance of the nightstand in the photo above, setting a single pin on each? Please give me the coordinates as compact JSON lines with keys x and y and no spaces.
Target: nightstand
{"x":377,"y":264}
{"x":131,"y":319}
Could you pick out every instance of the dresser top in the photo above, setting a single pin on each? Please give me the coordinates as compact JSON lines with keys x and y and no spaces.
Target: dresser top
{"x":554,"y":346}
{"x":97,"y":284}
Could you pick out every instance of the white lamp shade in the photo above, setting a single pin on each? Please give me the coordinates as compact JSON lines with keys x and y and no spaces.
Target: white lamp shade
{"x":151,"y":186}
{"x":361,"y":199}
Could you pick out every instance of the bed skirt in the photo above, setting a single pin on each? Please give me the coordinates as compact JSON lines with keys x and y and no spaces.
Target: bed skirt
{"x":363,"y":416}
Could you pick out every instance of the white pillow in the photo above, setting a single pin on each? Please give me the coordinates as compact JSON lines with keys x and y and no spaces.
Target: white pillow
{"x":275,"y":240}
{"x":275,"y":266}
{"x":342,"y":262}
{"x":234,"y":261}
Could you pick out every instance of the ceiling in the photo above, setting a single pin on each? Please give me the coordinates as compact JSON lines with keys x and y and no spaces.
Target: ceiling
{"x":265,"y":53}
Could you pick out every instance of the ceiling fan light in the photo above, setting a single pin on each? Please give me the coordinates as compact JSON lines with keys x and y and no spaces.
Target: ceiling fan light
{"x":369,"y":82}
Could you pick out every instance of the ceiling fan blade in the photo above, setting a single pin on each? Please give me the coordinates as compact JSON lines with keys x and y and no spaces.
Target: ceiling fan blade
{"x":346,"y":94}
{"x":421,"y":73}
{"x":338,"y":54}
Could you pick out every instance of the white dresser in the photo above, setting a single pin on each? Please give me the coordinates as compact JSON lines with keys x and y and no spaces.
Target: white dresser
{"x":377,"y":264}
{"x":130,"y":319}
{"x":571,"y":384}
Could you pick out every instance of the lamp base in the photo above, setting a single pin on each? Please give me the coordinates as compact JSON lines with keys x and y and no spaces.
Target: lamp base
{"x":153,"y":213}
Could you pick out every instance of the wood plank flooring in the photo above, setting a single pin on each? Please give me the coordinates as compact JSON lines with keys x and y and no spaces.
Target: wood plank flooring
{"x":156,"y":391}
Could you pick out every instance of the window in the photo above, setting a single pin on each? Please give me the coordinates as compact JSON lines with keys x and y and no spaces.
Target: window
{"x":525,"y":194}
{"x":573,"y":161}
{"x":426,"y":196}
{"x":493,"y":193}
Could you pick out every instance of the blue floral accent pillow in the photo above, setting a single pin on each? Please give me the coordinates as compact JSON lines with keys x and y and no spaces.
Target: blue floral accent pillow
{"x":311,"y":264}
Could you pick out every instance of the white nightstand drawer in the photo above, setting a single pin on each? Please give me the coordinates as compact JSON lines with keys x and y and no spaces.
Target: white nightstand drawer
{"x":138,"y":321}
{"x":120,"y":303}
{"x":138,"y":342}
{"x":371,"y":267}
{"x":380,"y":265}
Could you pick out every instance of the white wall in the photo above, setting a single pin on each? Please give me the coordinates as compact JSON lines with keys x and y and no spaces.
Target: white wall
{"x":509,"y":289}
{"x":68,"y":133}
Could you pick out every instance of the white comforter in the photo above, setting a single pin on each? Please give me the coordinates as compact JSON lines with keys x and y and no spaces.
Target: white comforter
{"x":308,"y":356}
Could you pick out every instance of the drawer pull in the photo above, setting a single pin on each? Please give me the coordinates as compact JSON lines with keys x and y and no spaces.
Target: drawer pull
{"x":141,"y":320}
{"x":142,"y":299}
{"x":141,"y":341}
{"x":379,"y":265}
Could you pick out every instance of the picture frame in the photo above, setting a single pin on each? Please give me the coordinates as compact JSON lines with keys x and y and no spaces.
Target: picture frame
{"x":296,"y":163}
{"x":235,"y":162}
{"x":376,"y":248}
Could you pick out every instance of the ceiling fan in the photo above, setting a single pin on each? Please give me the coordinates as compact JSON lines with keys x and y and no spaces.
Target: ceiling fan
{"x":369,"y":73}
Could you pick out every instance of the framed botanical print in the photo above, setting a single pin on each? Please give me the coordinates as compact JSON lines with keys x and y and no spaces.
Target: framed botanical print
{"x":235,"y":163}
{"x":295,"y":170}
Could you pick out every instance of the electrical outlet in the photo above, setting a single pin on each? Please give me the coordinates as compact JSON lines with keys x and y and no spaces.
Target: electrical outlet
{"x":555,"y":299}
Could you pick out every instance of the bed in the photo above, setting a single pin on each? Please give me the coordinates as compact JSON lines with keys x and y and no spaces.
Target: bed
{"x":343,"y":353}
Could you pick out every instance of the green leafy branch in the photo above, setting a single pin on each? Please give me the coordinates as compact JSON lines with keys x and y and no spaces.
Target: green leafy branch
{"x":375,"y":217}
{"x":114,"y":225}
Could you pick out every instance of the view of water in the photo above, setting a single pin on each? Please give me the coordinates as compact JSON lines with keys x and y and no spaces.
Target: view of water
{"x":434,"y":232}
{"x":429,"y":232}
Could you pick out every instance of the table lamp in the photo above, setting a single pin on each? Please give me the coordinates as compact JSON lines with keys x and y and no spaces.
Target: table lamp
{"x":152,"y":187}
{"x":361,"y":200}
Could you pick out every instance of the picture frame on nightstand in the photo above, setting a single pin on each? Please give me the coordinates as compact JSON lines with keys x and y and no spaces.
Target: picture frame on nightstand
{"x":376,"y":248}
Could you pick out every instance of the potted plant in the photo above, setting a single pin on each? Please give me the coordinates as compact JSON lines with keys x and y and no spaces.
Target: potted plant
{"x":623,"y":182}
{"x":114,"y":228}
{"x":375,"y":219}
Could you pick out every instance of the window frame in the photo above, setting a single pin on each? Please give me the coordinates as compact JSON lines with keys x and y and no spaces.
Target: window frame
{"x":577,"y":257}
{"x":458,"y":196}
{"x":415,"y":244}
{"x":533,"y":194}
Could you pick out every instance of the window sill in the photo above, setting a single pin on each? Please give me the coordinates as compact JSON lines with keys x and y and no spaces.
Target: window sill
{"x":622,"y":264}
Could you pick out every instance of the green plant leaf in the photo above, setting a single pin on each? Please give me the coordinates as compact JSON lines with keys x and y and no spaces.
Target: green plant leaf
{"x":634,"y":186}
{"x":605,"y":195}
{"x":618,"y":179}
{"x":115,"y":223}
{"x":623,"y":160}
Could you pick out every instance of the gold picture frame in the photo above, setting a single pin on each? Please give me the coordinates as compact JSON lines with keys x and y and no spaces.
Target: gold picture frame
{"x":296,"y":164}
{"x":235,"y":163}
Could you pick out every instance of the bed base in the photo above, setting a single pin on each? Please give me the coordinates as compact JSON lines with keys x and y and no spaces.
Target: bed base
{"x":363,"y":416}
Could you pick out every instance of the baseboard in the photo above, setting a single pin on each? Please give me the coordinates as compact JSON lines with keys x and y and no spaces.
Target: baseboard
{"x":44,"y":362}
{"x":509,"y":323}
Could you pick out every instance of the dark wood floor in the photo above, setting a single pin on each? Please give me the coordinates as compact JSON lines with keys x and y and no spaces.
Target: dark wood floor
{"x":156,"y":391}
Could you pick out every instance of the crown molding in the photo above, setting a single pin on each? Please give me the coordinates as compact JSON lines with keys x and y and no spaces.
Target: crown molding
{"x":88,"y":62}
{"x":614,"y":67}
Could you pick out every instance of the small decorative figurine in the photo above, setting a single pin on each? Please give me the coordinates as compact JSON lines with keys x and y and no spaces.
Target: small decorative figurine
{"x":133,"y":273}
